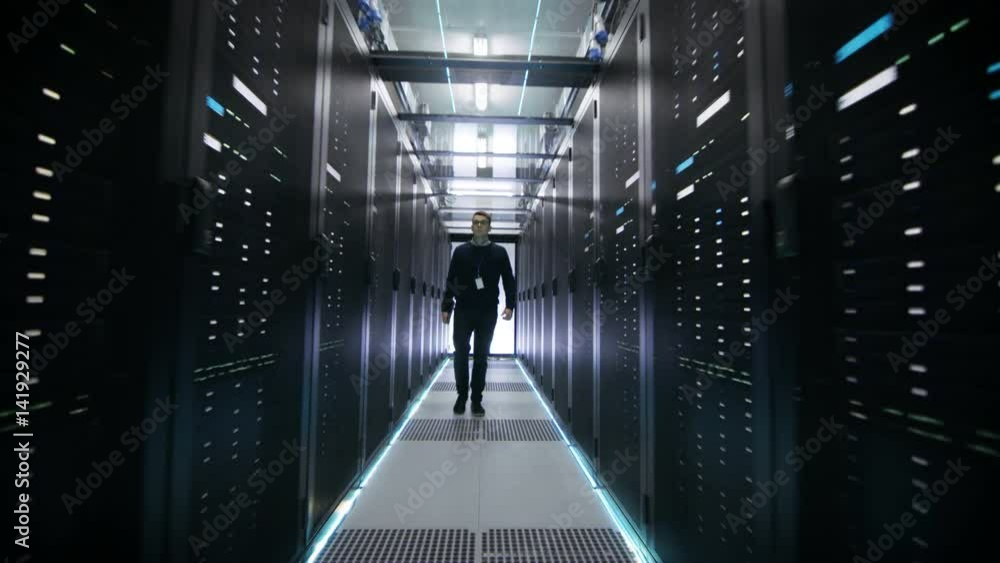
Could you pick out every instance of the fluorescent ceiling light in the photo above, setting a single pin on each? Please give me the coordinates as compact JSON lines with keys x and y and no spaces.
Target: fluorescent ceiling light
{"x":480,"y":46}
{"x":483,"y":147}
{"x":482,"y":193}
{"x":482,"y":96}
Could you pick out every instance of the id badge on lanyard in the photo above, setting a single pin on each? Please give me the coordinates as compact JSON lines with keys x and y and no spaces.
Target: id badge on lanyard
{"x":479,"y":278}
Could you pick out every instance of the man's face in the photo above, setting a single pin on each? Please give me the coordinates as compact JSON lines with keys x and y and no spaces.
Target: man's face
{"x":480,"y":225}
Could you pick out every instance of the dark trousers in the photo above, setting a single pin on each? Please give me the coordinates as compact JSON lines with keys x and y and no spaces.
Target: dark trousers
{"x":480,"y":322}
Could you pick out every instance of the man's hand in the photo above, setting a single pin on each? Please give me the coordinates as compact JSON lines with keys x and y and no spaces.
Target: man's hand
{"x":507,"y":314}
{"x":445,"y":317}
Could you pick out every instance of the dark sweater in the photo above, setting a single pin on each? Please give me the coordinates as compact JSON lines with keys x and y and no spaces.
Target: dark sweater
{"x":493,"y":263}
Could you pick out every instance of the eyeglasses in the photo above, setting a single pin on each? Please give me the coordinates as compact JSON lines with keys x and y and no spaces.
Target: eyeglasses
{"x":474,"y":223}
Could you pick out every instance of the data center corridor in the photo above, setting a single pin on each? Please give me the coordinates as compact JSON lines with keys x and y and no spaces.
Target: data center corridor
{"x":755,"y":298}
{"x":509,"y":486}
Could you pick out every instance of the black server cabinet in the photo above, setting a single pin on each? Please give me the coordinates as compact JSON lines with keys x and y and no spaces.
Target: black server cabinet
{"x":82,"y":224}
{"x":380,"y":266}
{"x":706,"y":423}
{"x":560,"y":291}
{"x":618,"y":276}
{"x":545,"y":272}
{"x":239,"y":368}
{"x":901,"y":149}
{"x":337,"y":423}
{"x":420,"y":296}
{"x":425,"y":288}
{"x":536,"y":301}
{"x":581,"y":283}
{"x":404,"y":287}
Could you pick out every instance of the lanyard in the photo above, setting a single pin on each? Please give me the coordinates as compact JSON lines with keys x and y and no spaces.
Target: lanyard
{"x":478,"y":266}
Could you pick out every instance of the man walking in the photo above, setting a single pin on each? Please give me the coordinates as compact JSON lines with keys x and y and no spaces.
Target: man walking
{"x":476,"y":268}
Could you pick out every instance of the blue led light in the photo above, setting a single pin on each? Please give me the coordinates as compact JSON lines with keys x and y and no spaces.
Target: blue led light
{"x":215,"y":106}
{"x":719,"y":222}
{"x":880,"y":26}
{"x":995,"y":95}
{"x":715,"y":66}
{"x":994,"y":68}
{"x":620,"y":210}
{"x":652,"y":187}
{"x":789,"y":90}
{"x":684,"y":165}
{"x":719,"y":210}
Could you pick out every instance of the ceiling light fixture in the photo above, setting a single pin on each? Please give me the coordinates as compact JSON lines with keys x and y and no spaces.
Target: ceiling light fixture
{"x":480,"y":45}
{"x":482,"y":96}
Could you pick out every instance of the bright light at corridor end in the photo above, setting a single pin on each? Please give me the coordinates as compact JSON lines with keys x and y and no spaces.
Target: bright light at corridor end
{"x":340,"y":513}
{"x":623,"y":528}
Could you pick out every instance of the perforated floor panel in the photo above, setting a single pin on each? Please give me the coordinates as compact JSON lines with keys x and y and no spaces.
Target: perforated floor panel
{"x":401,"y":546}
{"x":532,"y":430}
{"x":595,"y":545}
{"x":494,"y":386}
{"x":442,"y":429}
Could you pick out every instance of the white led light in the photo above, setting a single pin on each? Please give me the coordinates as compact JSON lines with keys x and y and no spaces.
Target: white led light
{"x":42,"y":171}
{"x":46,"y":139}
{"x":910,"y":186}
{"x":36,"y":276}
{"x":249,"y":95}
{"x":685,"y":192}
{"x":39,"y":218}
{"x":867,"y":88}
{"x":913,"y":231}
{"x":51,"y":93}
{"x":712,"y":109}
{"x":916,"y":264}
{"x":212,"y":142}
{"x":908,"y":109}
{"x":38,"y":252}
{"x":44,"y":196}
{"x":911,"y":153}
{"x":332,"y":172}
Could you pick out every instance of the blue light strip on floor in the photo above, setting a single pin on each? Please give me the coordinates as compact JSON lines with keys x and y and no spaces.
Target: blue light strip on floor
{"x":345,"y":505}
{"x":624,"y":529}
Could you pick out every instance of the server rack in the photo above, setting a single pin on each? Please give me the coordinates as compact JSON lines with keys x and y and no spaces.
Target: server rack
{"x":71,"y":207}
{"x":619,"y":288}
{"x":560,"y":291}
{"x":582,"y":282}
{"x":338,"y":397}
{"x":904,"y":151}
{"x":380,"y":264}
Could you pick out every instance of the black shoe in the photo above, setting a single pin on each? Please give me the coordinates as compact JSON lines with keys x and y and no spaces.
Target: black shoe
{"x":459,"y":407}
{"x":478,"y":410}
